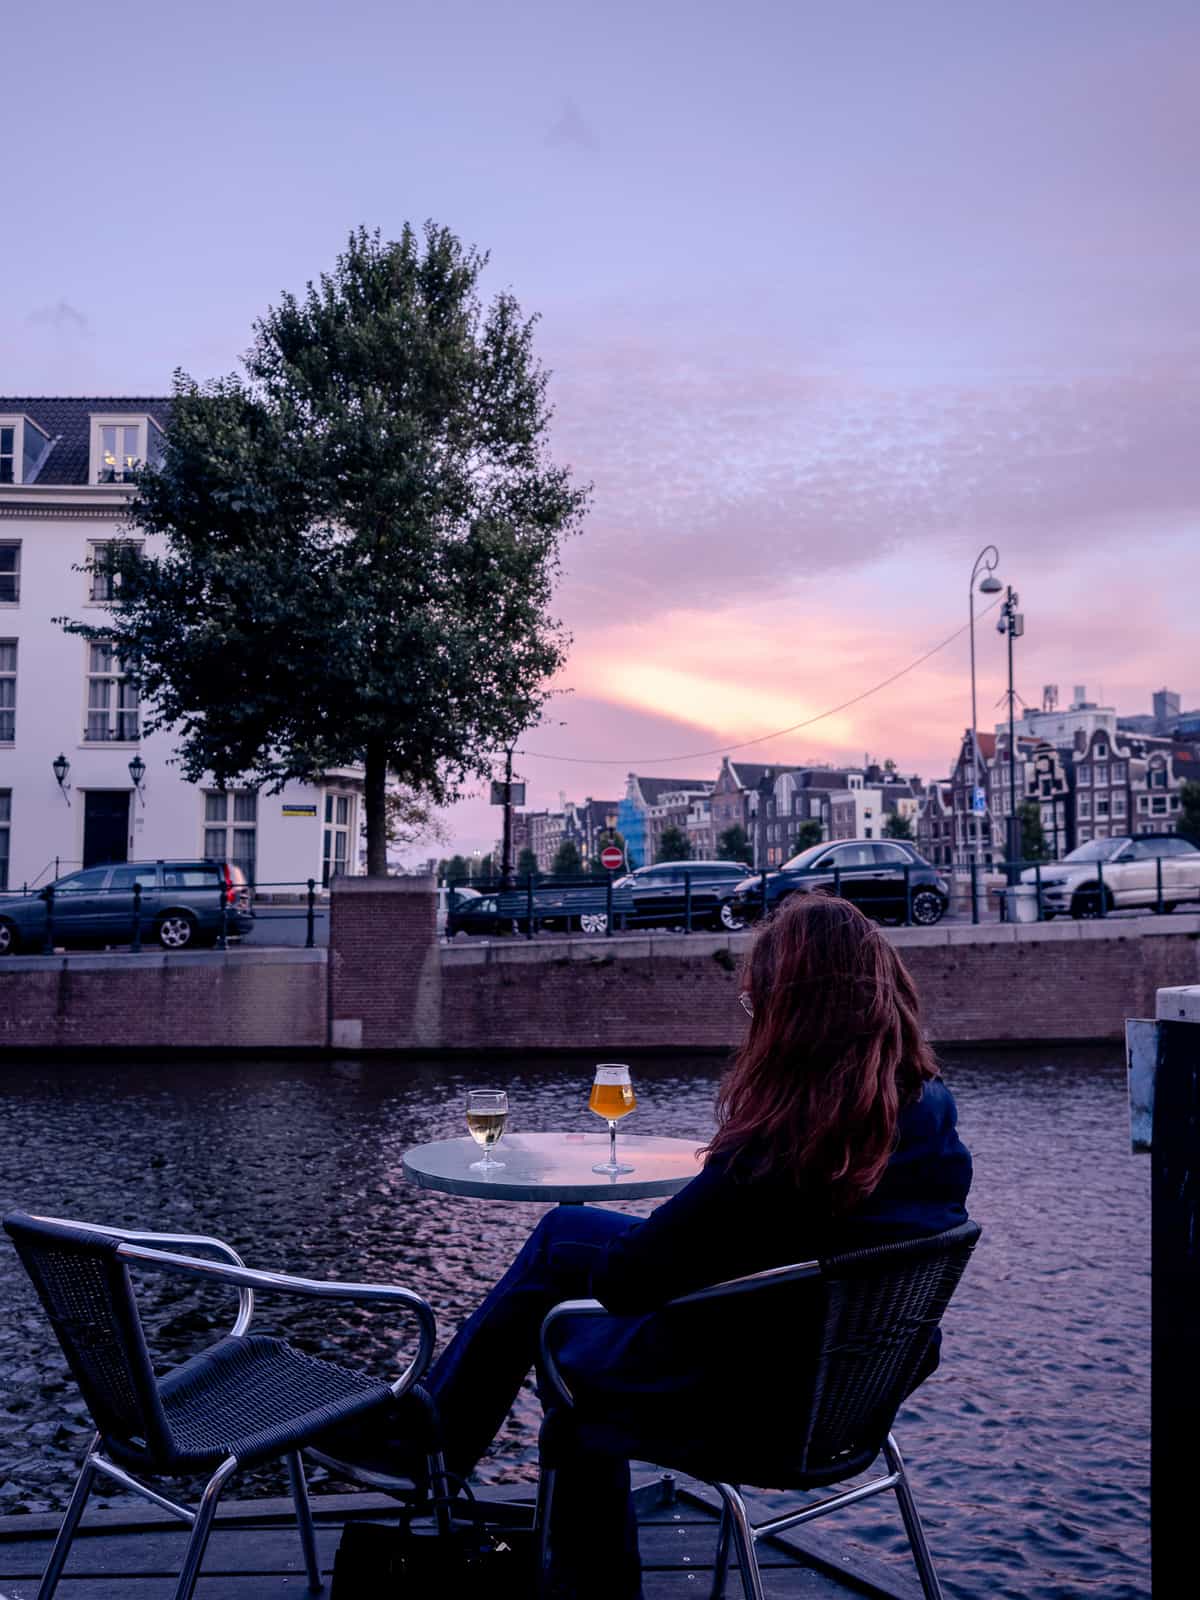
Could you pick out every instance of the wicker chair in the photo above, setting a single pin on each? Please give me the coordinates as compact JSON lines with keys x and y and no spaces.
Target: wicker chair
{"x":245,"y":1400}
{"x":856,"y":1334}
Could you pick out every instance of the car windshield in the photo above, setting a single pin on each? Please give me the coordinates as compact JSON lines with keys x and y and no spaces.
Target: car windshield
{"x":1096,"y":850}
{"x":805,"y":858}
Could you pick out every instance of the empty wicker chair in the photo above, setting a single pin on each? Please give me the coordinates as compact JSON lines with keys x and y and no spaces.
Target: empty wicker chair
{"x":828,"y":1349}
{"x":245,"y":1400}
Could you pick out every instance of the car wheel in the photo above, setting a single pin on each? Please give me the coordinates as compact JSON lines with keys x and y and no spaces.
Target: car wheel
{"x":928,"y":907}
{"x":9,"y":941}
{"x":177,"y":930}
{"x":1086,"y":903}
{"x":728,"y":918}
{"x":593,"y":922}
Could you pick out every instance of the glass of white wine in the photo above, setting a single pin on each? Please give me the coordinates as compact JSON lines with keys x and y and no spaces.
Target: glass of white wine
{"x":612,"y":1098}
{"x":487,"y":1112}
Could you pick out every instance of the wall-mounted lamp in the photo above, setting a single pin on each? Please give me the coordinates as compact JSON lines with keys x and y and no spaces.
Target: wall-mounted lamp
{"x":137,"y":771}
{"x":60,"y":768}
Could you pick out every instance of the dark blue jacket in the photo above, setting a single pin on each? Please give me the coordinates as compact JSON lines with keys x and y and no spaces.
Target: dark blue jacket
{"x":722,"y":1227}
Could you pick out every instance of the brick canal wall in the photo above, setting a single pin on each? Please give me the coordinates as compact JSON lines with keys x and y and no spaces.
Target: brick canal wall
{"x":388,"y":984}
{"x":203,"y":999}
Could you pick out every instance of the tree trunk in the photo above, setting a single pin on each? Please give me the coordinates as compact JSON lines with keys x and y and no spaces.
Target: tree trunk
{"x":376,"y":803}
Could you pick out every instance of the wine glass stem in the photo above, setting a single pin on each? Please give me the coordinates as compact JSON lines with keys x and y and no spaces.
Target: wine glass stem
{"x":612,"y":1144}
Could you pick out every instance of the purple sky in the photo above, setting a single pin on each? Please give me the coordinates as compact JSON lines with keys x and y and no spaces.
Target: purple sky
{"x":833,"y":294}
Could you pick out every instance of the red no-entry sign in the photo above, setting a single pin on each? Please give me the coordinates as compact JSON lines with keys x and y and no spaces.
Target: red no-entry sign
{"x":611,"y":858}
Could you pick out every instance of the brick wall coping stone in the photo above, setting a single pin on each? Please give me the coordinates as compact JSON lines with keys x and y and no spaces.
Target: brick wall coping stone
{"x":409,"y":885}
{"x":1179,"y":1005}
{"x":152,"y":960}
{"x":601,"y":949}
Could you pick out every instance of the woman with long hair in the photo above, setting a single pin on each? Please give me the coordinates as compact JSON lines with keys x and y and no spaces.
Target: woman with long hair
{"x":834,"y":1132}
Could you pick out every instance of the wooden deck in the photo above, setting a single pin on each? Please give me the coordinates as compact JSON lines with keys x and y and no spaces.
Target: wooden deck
{"x":254,"y":1553}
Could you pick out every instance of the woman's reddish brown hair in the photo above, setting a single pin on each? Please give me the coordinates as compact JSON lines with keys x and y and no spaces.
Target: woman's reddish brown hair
{"x":834,"y":1051}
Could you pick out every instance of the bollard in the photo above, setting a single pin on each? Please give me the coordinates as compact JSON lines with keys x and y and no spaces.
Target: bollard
{"x":1103,"y":910}
{"x":312,"y":916}
{"x":687,"y":902}
{"x":908,"y":894}
{"x":608,"y":906}
{"x":529,"y":905}
{"x":136,"y":945}
{"x":1158,"y":904}
{"x":1037,"y":878}
{"x":974,"y":890}
{"x":48,"y":945}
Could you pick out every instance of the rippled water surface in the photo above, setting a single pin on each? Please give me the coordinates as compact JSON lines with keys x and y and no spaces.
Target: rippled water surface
{"x":1029,"y":1448}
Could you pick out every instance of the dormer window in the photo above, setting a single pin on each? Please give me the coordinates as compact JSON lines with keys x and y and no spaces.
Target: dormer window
{"x":120,"y":445}
{"x":23,"y":448}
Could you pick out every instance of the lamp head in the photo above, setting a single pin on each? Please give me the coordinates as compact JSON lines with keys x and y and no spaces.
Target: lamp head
{"x":990,"y":584}
{"x":137,"y":771}
{"x":60,"y":767}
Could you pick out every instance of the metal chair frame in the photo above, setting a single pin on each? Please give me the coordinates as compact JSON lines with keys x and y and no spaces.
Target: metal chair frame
{"x":736,"y":1528}
{"x":141,"y":1248}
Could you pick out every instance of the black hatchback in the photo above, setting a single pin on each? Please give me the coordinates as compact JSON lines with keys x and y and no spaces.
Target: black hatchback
{"x":672,"y":893}
{"x":886,"y":878}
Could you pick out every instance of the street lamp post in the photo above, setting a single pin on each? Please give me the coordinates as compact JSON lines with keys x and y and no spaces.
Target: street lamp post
{"x":988,"y":558}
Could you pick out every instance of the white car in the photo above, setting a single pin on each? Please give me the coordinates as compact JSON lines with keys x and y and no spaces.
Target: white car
{"x":1119,"y":873}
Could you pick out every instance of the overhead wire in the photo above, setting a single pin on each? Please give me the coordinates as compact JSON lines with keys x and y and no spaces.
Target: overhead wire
{"x":765,"y":738}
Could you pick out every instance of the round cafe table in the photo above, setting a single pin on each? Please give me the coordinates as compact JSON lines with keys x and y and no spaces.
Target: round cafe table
{"x":556,"y":1166}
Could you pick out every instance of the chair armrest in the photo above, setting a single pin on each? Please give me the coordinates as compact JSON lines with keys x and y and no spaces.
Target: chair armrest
{"x":244,"y":1277}
{"x":188,"y":1241}
{"x":564,"y":1308}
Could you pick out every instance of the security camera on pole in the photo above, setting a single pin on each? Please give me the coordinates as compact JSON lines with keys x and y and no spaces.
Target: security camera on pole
{"x":988,"y":559}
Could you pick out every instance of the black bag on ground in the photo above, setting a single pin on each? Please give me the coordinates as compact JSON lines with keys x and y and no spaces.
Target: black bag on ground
{"x":377,"y":1560}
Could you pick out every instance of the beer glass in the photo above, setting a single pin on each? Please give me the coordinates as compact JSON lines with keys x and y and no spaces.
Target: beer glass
{"x":612,"y":1098}
{"x":487,"y":1112}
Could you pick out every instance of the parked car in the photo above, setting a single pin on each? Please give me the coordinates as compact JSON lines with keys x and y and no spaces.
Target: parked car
{"x":870,"y":872}
{"x":660,"y":893}
{"x":1118,"y":873}
{"x":448,"y":899}
{"x":563,"y":908}
{"x":181,"y":906}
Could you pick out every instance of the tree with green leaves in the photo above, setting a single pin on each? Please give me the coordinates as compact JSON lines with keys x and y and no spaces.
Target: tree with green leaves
{"x":1189,"y":811}
{"x":527,"y":864}
{"x":1033,"y":835}
{"x":733,"y":844}
{"x":898,"y":826}
{"x":456,"y":870}
{"x":673,"y":845}
{"x":809,"y":832}
{"x":567,"y":862}
{"x":352,"y":546}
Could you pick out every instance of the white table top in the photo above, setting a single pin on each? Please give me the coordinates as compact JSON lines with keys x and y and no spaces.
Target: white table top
{"x":556,"y":1166}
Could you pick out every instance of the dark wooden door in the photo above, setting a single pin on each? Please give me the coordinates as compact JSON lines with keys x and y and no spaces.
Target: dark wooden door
{"x":105,"y":826}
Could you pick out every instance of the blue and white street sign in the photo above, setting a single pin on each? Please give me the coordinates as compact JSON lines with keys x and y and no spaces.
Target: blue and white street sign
{"x":979,"y":802}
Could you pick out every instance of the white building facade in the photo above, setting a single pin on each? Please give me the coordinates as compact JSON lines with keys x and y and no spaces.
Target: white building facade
{"x":79,"y":781}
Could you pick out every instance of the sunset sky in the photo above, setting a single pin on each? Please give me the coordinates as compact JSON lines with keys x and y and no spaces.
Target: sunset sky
{"x":833,"y":294}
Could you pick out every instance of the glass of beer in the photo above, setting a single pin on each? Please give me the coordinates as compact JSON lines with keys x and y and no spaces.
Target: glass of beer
{"x":612,"y":1098}
{"x":487,"y":1112}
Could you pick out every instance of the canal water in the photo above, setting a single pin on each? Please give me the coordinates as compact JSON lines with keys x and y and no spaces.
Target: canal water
{"x":1029,"y":1448}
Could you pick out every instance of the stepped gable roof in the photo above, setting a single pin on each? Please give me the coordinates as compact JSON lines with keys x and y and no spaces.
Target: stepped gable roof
{"x":67,"y":418}
{"x":654,"y":788}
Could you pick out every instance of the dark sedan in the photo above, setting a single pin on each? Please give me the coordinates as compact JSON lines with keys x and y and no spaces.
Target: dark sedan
{"x":870,"y":872}
{"x":661,"y":894}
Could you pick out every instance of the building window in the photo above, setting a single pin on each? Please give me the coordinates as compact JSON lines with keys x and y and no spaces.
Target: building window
{"x":339,"y":818}
{"x":1102,"y":805}
{"x":1157,"y":778}
{"x":103,"y":584}
{"x":1101,"y":752}
{"x":1084,"y":806}
{"x":1119,"y":771}
{"x":112,"y":707}
{"x":1159,"y":805}
{"x":231,"y":828}
{"x":5,"y":830}
{"x":1084,"y":835}
{"x":120,"y":452}
{"x":1101,"y":777}
{"x":10,"y":571}
{"x":8,"y":690}
{"x":8,"y":454}
{"x":1085,"y":777}
{"x":1118,"y":805}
